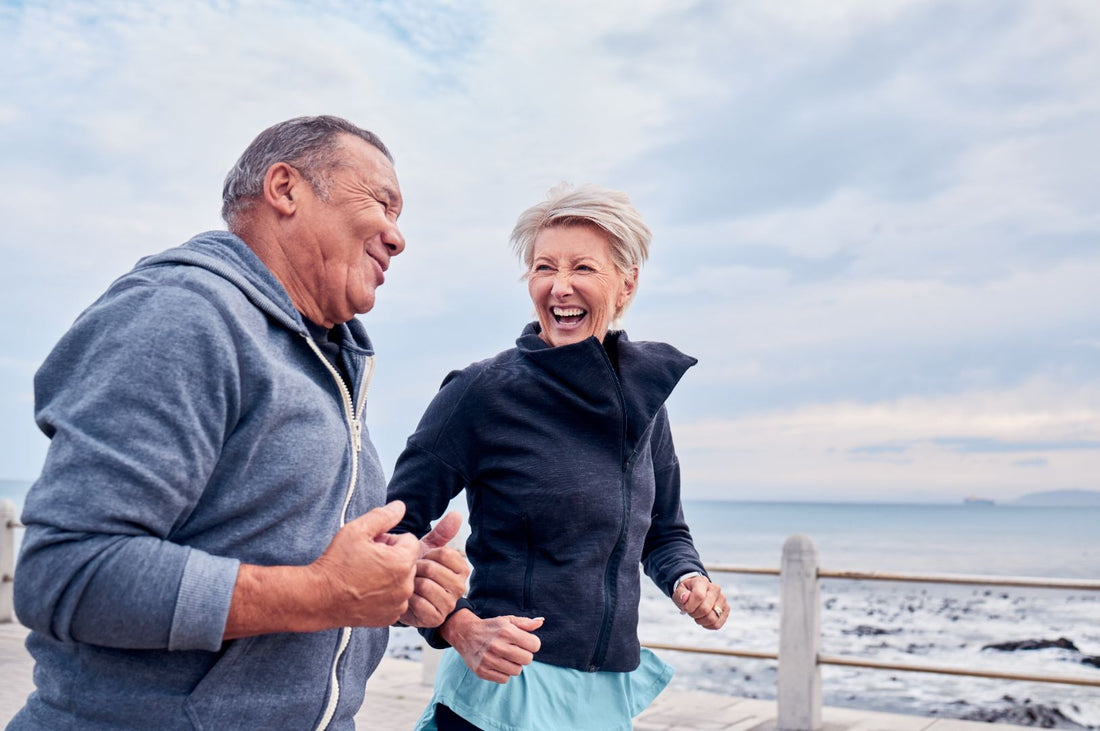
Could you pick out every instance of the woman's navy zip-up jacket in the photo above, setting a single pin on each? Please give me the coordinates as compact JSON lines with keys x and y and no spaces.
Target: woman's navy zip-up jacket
{"x":571,"y":479}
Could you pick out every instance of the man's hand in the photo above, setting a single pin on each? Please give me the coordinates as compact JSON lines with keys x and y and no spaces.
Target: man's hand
{"x":369,"y":573}
{"x":703,"y":600}
{"x":441,"y":574}
{"x":363,"y":579}
{"x":495,"y":649}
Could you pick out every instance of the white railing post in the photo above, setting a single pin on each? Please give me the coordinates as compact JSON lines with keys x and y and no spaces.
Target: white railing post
{"x":799,"y":678}
{"x":8,"y":523}
{"x":429,"y":661}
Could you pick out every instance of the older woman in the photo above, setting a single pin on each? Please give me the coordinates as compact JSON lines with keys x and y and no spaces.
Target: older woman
{"x":563,"y":447}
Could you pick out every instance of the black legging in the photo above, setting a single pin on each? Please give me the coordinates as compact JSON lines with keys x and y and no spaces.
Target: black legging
{"x":448,"y":720}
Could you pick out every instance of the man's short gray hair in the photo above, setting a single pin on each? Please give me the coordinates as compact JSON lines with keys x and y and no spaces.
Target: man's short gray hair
{"x":309,"y":144}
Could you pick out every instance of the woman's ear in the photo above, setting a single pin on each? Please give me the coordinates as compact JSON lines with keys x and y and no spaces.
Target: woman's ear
{"x":630,"y":284}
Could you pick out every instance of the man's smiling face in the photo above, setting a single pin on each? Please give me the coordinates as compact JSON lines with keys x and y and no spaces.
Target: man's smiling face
{"x":353,"y":230}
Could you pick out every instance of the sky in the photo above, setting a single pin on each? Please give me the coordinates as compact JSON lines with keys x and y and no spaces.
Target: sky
{"x":876,"y":223}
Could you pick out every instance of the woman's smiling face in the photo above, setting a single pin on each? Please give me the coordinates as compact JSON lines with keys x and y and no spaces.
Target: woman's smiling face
{"x":574,"y":284}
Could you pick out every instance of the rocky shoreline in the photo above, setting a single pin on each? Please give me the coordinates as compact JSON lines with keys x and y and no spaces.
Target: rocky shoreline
{"x":1033,"y":632}
{"x":1061,"y":643}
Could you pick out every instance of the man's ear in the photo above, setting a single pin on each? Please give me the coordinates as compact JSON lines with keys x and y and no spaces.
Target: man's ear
{"x":281,"y":183}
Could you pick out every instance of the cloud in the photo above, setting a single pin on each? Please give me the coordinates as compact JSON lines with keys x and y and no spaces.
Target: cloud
{"x":939,"y":447}
{"x":875,"y":223}
{"x":982,"y":445}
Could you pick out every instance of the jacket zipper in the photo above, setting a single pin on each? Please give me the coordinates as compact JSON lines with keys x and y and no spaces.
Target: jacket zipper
{"x":529,"y":575}
{"x":353,"y":414}
{"x":614,"y":559}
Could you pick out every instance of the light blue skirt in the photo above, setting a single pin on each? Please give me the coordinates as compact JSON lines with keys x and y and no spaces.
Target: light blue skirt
{"x":547,"y":697}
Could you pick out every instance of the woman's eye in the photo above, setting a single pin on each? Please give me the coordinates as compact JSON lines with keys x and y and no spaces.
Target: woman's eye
{"x":584,"y":268}
{"x":542,"y":267}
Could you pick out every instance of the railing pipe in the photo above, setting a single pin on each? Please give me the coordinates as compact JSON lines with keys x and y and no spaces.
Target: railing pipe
{"x":8,"y":524}
{"x":719,"y":568}
{"x":798,"y":681}
{"x":855,"y":662}
{"x":1038,"y":582}
{"x":725,"y":652}
{"x":968,"y":579}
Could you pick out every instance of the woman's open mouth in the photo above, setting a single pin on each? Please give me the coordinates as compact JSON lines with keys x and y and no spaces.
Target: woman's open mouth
{"x":568,"y":316}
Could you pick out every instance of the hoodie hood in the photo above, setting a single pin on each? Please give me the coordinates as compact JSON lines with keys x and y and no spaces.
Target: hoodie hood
{"x":228,"y":256}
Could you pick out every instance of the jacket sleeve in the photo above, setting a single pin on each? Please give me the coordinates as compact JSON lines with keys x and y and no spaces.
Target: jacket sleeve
{"x":432,"y":471}
{"x":136,"y":399}
{"x":669,"y":551}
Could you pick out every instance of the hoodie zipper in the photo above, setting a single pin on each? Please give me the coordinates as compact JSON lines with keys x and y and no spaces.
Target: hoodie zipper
{"x":353,"y":412}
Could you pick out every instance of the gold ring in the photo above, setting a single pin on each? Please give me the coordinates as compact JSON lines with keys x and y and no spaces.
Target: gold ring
{"x":718,"y":611}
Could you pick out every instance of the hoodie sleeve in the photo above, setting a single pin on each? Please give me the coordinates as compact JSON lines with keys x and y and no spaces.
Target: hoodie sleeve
{"x":669,"y":551}
{"x":136,"y":399}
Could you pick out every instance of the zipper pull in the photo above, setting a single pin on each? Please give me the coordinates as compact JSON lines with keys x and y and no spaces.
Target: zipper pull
{"x":357,"y":434}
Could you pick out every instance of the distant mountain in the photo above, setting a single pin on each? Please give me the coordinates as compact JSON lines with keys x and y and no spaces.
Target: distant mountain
{"x":1061,"y":498}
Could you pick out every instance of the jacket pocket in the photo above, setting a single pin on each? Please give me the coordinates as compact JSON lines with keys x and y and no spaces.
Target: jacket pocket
{"x":529,"y":571}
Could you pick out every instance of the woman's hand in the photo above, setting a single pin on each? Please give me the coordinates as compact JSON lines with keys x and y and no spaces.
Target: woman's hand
{"x":703,"y":600}
{"x":495,"y":649}
{"x":441,"y":574}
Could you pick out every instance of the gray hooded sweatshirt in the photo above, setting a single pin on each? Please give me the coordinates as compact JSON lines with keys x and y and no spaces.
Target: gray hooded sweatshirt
{"x":194,"y":425}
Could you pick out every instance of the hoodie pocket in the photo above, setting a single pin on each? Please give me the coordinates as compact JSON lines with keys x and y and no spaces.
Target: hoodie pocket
{"x":218,"y":683}
{"x":276,"y":681}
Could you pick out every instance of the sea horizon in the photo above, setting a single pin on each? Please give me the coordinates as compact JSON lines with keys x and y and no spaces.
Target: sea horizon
{"x":14,"y":488}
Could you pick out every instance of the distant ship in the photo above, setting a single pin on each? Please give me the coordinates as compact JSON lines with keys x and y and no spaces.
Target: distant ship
{"x":971,"y":500}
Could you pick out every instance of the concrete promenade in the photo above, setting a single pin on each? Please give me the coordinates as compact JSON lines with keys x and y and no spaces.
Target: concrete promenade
{"x":396,"y":697}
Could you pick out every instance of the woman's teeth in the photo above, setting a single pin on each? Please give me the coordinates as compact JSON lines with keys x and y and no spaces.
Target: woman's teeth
{"x":568,"y":314}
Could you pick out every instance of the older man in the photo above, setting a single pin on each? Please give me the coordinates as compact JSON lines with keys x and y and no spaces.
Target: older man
{"x":206,"y":546}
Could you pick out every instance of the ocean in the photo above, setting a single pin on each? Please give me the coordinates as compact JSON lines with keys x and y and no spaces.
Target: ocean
{"x":907,"y":623}
{"x":893,"y":621}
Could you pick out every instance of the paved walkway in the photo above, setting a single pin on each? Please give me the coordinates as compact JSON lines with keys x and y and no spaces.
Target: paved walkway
{"x":396,"y":697}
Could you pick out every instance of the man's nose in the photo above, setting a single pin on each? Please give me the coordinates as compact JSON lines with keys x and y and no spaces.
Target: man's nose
{"x":393,"y":239}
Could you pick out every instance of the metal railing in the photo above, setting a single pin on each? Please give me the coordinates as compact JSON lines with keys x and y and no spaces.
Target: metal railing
{"x":798,"y":681}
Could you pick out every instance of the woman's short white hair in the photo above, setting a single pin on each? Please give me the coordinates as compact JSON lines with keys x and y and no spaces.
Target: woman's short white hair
{"x":586,"y":205}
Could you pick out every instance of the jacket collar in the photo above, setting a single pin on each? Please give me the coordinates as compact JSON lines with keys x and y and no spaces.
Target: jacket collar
{"x":647,"y":373}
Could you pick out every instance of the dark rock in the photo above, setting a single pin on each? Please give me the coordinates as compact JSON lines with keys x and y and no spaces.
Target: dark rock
{"x":866,"y":630}
{"x":1061,"y":643}
{"x":1028,"y":714}
{"x":1093,"y":660}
